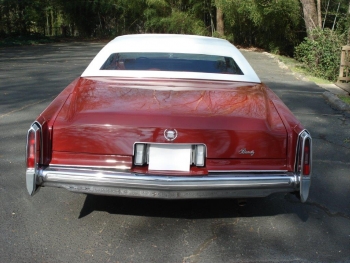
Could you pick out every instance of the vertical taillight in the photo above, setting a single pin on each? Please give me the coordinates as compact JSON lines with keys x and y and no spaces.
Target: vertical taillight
{"x":306,"y":157}
{"x":140,"y":154}
{"x":33,"y":151}
{"x":199,"y":156}
{"x":303,"y":163}
{"x":304,"y":154}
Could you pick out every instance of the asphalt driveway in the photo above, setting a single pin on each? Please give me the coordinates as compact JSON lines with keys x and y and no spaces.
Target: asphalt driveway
{"x":59,"y":226}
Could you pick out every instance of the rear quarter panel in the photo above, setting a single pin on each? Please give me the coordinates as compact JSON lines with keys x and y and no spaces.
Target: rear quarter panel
{"x":292,"y":124}
{"x":47,"y":118}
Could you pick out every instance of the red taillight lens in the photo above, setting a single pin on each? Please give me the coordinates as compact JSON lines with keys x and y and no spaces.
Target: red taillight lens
{"x":33,"y":146}
{"x":306,"y":160}
{"x":31,"y":149}
{"x":37,"y":146}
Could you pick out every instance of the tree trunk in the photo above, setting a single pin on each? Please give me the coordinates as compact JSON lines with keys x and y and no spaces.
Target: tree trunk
{"x":47,"y":30}
{"x":8,"y":21}
{"x":348,"y":41}
{"x":319,"y":16}
{"x":310,"y":16}
{"x":52,"y":22}
{"x":220,"y":21}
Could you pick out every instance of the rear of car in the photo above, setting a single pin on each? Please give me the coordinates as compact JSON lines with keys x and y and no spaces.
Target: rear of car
{"x":171,"y":125}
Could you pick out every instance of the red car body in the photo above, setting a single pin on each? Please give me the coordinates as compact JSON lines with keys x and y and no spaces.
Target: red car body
{"x":85,"y":141}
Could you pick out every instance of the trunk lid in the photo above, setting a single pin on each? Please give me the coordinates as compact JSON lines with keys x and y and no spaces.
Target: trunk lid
{"x":107,"y":116}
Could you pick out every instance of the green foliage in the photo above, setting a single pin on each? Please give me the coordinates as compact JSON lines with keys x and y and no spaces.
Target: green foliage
{"x":345,"y":99}
{"x":275,"y":25}
{"x":269,"y":24}
{"x":321,"y":55}
{"x":175,"y":17}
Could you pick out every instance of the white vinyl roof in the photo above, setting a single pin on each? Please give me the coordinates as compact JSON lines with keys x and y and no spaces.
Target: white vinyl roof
{"x":166,"y":43}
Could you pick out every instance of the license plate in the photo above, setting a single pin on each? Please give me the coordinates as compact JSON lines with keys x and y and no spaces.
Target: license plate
{"x":169,"y":157}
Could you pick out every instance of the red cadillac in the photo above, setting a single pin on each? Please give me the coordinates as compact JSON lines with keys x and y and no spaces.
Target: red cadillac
{"x":171,"y":117}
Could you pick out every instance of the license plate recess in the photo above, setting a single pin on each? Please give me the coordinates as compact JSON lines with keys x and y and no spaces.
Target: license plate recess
{"x":169,"y":157}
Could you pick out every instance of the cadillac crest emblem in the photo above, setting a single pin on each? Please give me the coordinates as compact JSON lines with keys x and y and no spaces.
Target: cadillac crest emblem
{"x":170,"y":134}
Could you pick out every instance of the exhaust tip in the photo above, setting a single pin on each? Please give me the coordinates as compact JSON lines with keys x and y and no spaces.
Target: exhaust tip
{"x":242,"y":202}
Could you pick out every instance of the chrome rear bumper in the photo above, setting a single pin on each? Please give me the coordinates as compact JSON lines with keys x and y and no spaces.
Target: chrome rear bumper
{"x":121,"y":183}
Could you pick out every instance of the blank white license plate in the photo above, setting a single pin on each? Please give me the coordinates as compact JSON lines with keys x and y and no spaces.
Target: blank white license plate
{"x":169,"y":157}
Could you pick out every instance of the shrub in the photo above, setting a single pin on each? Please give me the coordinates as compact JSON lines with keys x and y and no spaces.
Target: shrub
{"x":321,"y":55}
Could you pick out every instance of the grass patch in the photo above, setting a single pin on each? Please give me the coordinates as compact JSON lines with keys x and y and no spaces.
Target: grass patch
{"x":25,"y":40}
{"x":297,"y":67}
{"x":36,"y":39}
{"x":344,"y":98}
{"x":318,"y":80}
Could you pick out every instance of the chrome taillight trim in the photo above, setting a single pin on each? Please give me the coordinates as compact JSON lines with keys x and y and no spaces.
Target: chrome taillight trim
{"x":304,"y":180}
{"x":299,"y":152}
{"x":32,"y":172}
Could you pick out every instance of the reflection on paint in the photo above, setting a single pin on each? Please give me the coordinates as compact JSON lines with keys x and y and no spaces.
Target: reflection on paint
{"x":108,"y":117}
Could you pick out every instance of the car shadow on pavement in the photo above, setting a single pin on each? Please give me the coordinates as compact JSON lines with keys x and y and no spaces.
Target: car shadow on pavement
{"x":197,"y":209}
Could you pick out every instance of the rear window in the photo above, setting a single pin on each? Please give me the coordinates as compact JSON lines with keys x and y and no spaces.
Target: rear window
{"x":172,"y":62}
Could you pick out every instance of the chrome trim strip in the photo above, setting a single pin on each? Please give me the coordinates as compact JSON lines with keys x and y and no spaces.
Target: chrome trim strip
{"x":169,"y":143}
{"x":247,"y":171}
{"x":121,"y":183}
{"x":121,"y":167}
{"x":296,"y":157}
{"x":210,"y":171}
